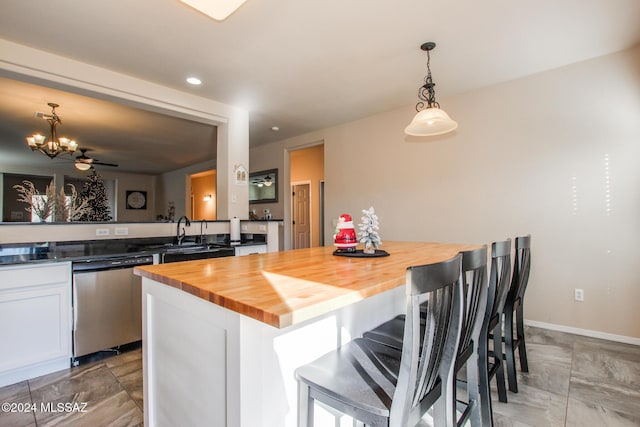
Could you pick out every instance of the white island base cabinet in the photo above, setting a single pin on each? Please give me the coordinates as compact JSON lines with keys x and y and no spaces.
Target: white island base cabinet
{"x":206,"y":365}
{"x":35,"y":320}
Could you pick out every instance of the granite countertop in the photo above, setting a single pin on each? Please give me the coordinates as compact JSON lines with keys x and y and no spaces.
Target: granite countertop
{"x":20,"y":253}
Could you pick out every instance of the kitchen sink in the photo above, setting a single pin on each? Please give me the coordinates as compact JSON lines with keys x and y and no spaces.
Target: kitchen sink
{"x":177,"y":253}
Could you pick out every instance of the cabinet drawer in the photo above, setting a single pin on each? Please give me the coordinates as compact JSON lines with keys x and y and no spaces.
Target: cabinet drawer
{"x":250,"y":250}
{"x":34,"y":275}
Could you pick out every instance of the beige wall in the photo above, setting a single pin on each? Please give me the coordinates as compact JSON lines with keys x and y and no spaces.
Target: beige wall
{"x":267,"y":157}
{"x":555,"y":155}
{"x":307,"y":165}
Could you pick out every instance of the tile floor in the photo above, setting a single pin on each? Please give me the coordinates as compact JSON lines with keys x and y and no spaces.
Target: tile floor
{"x":111,"y":389}
{"x":573,"y":381}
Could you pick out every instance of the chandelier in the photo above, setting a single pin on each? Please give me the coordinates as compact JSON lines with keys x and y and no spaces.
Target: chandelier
{"x":430,"y":120}
{"x":52,"y":145}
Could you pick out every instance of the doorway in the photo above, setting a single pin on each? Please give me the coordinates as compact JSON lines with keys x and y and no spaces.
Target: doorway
{"x":306,"y":180}
{"x":203,"y":195}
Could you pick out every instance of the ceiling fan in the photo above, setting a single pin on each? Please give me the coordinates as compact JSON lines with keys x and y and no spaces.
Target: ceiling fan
{"x":84,"y":162}
{"x":266,"y":181}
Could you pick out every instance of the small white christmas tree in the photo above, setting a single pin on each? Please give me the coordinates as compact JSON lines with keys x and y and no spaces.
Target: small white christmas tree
{"x":369,"y":231}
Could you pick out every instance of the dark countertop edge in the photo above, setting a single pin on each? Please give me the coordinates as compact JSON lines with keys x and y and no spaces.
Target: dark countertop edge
{"x":10,"y":223}
{"x":9,"y":260}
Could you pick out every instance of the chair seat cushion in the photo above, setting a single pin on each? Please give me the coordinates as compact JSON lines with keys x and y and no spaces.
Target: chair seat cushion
{"x":361,"y":374}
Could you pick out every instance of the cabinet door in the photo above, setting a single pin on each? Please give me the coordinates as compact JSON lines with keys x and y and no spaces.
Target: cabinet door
{"x":250,"y":250}
{"x":35,"y":320}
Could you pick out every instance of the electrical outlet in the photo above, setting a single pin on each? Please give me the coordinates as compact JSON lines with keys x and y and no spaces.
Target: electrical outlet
{"x":579,"y":294}
{"x":122,"y":231}
{"x":102,"y":231}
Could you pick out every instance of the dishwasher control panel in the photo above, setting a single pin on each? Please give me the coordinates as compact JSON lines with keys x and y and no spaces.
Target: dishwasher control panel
{"x":112,"y":263}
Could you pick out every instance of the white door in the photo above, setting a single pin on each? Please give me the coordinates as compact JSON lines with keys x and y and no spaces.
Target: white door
{"x":301,"y":216}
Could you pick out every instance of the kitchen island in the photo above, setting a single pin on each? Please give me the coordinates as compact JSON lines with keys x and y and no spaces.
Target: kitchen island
{"x":223,"y":337}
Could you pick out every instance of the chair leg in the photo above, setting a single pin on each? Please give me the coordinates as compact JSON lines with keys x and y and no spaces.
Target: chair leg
{"x":473,"y":390}
{"x":522,"y":348}
{"x":484,"y":398}
{"x":497,"y":352}
{"x":305,"y":406}
{"x":510,"y":351}
{"x":441,"y":416}
{"x":452,"y":398}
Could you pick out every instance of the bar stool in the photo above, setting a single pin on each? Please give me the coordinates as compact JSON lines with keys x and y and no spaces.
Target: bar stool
{"x":378,"y":385}
{"x":470,"y":350}
{"x":499,"y":278}
{"x":513,"y":311}
{"x":474,"y":301}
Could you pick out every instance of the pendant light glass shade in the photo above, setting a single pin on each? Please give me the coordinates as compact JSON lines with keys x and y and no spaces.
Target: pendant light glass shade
{"x":430,"y":121}
{"x":82,"y":166}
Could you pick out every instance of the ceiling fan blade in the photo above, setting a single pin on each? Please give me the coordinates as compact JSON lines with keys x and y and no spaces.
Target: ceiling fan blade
{"x":105,"y":164}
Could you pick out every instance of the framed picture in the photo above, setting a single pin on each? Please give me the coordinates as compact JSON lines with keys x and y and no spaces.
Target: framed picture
{"x":136,"y":199}
{"x":263,"y":186}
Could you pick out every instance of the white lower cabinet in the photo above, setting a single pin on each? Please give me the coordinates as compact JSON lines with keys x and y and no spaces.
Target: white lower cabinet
{"x":250,"y":250}
{"x":35,"y":320}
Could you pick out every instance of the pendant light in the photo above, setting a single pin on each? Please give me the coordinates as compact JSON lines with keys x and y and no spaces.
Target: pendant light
{"x":429,"y":120}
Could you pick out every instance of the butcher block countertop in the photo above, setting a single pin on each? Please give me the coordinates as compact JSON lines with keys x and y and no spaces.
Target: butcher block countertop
{"x":285,"y":288}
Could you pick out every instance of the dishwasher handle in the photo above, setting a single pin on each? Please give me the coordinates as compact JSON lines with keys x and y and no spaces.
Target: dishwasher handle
{"x":74,"y":304}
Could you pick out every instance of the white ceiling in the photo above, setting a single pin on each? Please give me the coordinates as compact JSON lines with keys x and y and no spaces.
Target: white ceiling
{"x":299,"y":65}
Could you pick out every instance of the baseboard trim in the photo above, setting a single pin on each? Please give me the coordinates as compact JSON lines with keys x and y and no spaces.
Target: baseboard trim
{"x":584,"y":332}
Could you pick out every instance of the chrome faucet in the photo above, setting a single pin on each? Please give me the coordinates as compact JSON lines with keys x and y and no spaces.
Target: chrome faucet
{"x":180,"y":234}
{"x":204,"y":221}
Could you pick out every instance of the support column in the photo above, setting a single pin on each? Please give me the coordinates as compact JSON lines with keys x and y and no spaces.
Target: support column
{"x":232,"y":153}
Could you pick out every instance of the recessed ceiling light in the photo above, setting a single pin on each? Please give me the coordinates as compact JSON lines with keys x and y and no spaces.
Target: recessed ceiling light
{"x":218,"y":10}
{"x":275,"y":128}
{"x":194,"y":81}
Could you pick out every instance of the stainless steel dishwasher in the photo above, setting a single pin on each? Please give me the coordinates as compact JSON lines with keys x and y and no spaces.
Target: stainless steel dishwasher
{"x":107,"y":303}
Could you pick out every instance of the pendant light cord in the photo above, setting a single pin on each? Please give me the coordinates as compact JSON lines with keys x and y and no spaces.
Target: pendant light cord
{"x":427,"y":92}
